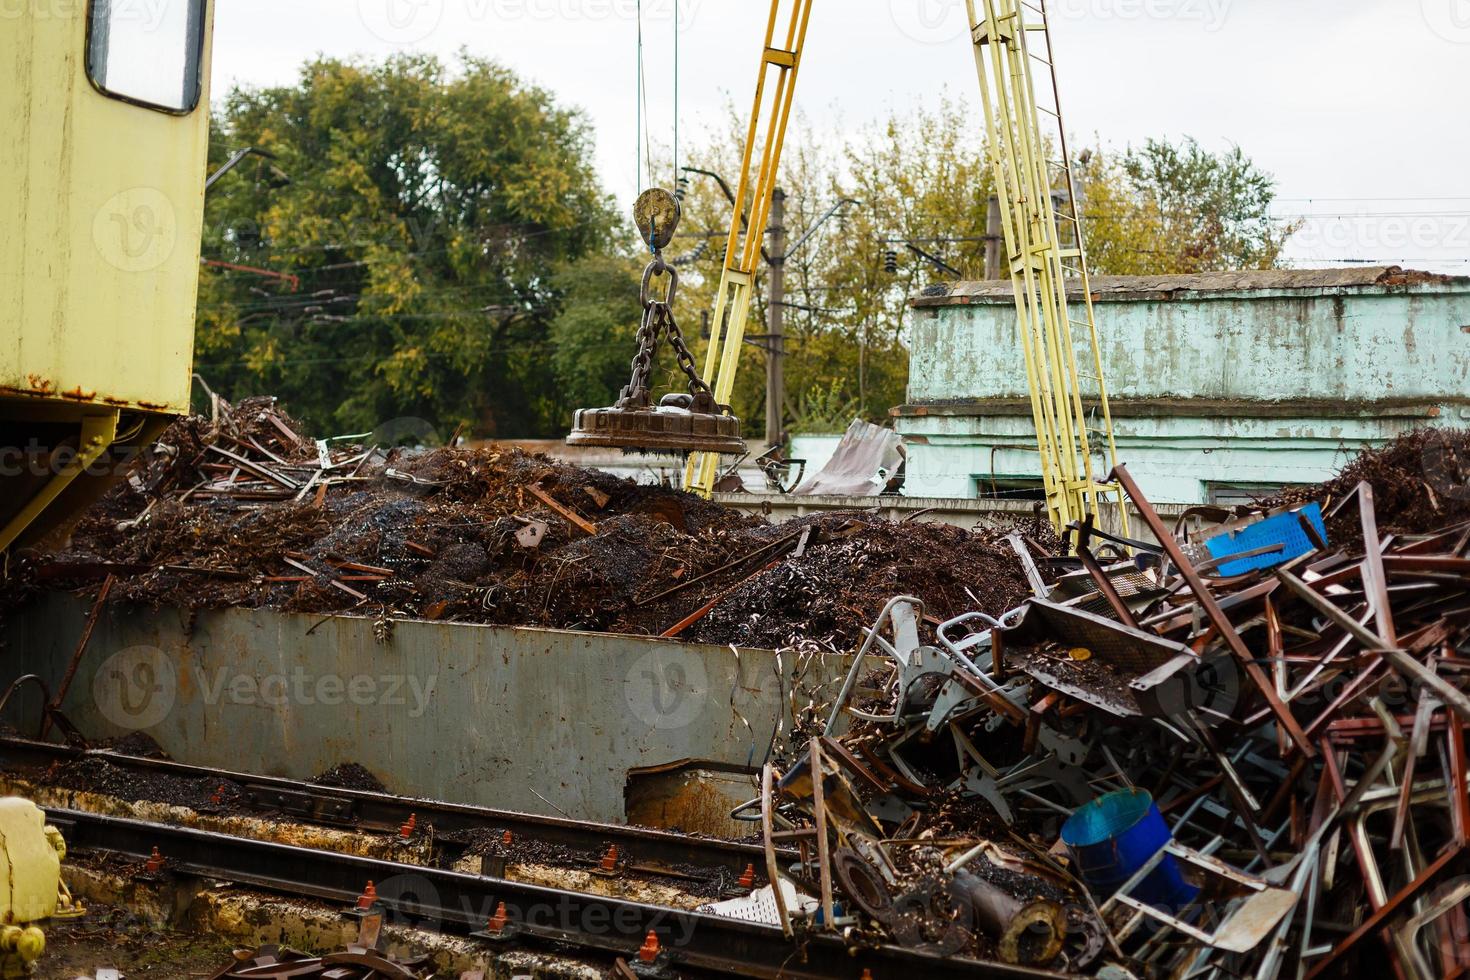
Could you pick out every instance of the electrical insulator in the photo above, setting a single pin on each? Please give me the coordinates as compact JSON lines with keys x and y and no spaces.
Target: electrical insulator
{"x":890,"y":262}
{"x":681,"y":189}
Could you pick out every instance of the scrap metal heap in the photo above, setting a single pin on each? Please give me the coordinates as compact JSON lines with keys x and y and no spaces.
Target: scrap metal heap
{"x":241,"y":508}
{"x":1239,"y":752}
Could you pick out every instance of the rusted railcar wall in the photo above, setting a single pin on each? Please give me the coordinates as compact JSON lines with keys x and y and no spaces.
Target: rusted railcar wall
{"x":537,"y":720}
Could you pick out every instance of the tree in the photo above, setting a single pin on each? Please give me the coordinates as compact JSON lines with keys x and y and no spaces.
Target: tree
{"x":923,"y":181}
{"x":420,"y":208}
{"x":593,"y":335}
{"x":917,"y":176}
{"x":1177,"y":208}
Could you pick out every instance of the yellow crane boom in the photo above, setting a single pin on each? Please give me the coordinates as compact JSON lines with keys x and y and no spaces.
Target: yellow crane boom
{"x":1042,"y":267}
{"x":743,"y":251}
{"x":1067,"y":413}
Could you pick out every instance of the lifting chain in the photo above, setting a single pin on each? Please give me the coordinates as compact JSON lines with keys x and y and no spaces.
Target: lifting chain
{"x":658,"y":320}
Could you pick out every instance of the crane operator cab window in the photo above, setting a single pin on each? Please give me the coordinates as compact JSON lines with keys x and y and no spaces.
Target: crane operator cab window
{"x":147,"y":54}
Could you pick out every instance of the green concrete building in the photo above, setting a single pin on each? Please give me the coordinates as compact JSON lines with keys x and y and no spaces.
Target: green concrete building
{"x":1223,"y":386}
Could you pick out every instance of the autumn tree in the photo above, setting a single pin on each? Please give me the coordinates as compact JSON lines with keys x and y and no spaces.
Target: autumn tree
{"x":405,"y":230}
{"x":1166,"y":208}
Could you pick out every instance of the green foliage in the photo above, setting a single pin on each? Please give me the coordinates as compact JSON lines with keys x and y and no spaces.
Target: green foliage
{"x":593,"y":335}
{"x":920,"y":176}
{"x":455,"y":260}
{"x":1177,"y":208}
{"x":824,"y":409}
{"x":421,"y":206}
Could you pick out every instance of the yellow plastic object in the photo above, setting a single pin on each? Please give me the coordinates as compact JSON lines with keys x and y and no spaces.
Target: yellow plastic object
{"x":103,"y":205}
{"x":30,"y":866}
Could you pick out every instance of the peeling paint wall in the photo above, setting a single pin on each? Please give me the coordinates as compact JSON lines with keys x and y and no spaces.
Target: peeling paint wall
{"x":1264,"y":387}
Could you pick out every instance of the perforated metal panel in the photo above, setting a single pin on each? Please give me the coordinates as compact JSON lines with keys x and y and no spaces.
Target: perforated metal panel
{"x":760,"y":905}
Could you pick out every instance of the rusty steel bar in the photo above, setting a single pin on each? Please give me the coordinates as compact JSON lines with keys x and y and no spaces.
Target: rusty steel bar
{"x":1375,"y":579}
{"x":76,"y":657}
{"x":1376,"y":921}
{"x":1212,"y":609}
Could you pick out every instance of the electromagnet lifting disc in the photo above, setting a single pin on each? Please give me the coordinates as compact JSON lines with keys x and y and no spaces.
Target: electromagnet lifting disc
{"x":657,"y":430}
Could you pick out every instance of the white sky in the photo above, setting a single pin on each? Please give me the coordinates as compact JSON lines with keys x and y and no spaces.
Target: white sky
{"x":1361,"y":108}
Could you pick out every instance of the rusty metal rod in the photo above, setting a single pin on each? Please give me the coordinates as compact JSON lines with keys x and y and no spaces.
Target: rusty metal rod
{"x":1212,"y":609}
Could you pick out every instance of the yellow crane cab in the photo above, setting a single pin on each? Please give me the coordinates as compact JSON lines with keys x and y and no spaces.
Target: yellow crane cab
{"x":105,"y":109}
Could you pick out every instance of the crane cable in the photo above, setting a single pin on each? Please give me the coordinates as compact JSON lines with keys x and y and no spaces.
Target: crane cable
{"x":638,"y":104}
{"x":641,"y":136}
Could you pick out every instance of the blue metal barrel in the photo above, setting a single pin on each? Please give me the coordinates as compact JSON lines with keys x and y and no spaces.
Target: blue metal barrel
{"x":1115,"y":835}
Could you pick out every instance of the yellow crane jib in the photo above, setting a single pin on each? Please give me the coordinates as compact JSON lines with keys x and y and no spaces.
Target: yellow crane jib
{"x":778,"y":72}
{"x":1043,"y":267}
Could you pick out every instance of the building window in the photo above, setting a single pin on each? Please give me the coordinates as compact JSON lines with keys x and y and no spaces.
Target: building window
{"x":147,"y":54}
{"x":1237,"y":494}
{"x":989,"y":487}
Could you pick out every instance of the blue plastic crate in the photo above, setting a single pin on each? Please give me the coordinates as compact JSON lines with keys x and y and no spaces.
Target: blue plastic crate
{"x":1284,"y":529}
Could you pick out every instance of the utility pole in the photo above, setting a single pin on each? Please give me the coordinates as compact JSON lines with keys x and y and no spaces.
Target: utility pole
{"x":775,"y":320}
{"x":774,"y":253}
{"x":994,"y":240}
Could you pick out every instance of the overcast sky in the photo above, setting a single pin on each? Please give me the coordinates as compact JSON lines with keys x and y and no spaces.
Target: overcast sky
{"x":1361,"y":108}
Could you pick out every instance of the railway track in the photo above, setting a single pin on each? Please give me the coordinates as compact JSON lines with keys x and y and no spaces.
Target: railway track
{"x":267,"y":796}
{"x":450,"y":901}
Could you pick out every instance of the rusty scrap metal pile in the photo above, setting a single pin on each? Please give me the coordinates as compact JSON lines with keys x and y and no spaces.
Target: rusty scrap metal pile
{"x":240,"y":509}
{"x":363,"y":960}
{"x":1238,"y":753}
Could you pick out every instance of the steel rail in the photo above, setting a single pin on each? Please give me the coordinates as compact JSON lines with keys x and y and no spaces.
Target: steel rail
{"x":386,"y":813}
{"x":454,"y":901}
